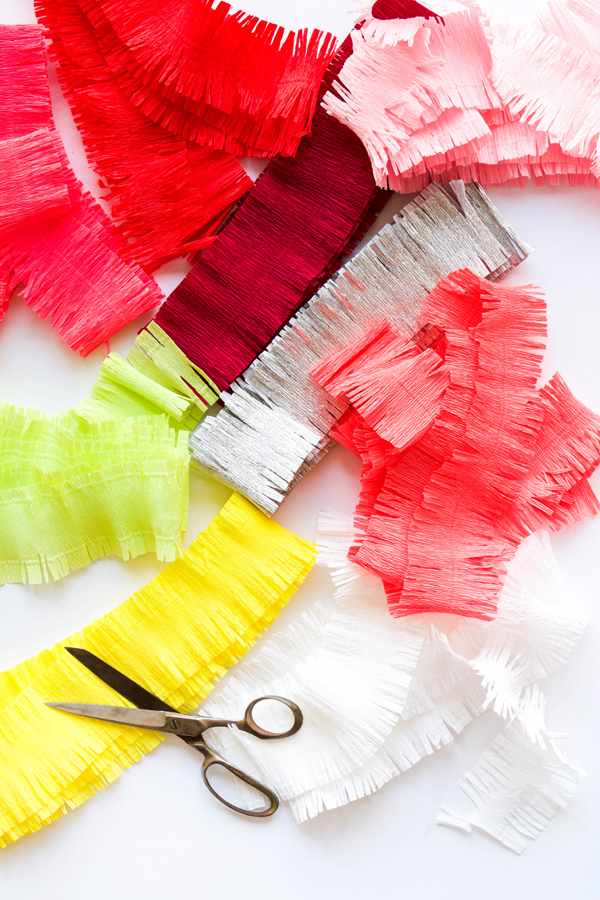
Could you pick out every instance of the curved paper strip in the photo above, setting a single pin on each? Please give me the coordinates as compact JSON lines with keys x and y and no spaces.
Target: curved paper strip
{"x":174,"y":636}
{"x":168,"y":196}
{"x":228,"y":80}
{"x":71,"y":260}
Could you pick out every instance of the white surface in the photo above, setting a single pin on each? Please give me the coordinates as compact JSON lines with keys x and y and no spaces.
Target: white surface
{"x":157,"y":832}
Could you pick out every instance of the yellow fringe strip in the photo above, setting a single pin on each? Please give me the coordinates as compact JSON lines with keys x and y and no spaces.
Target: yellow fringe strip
{"x":174,"y":636}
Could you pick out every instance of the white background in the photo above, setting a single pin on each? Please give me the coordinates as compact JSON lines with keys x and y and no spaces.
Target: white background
{"x":157,"y":831}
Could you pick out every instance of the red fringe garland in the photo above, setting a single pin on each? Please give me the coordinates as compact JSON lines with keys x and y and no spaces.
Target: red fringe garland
{"x":303,"y":216}
{"x":402,"y":9}
{"x":53,"y":236}
{"x":228,"y":80}
{"x":438,"y":521}
{"x":168,"y":196}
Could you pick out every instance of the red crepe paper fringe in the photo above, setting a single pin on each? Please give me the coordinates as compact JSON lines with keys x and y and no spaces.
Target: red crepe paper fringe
{"x":402,"y":9}
{"x":168,"y":196}
{"x":439,"y":521}
{"x":303,"y":216}
{"x":228,"y":80}
{"x":54,"y":237}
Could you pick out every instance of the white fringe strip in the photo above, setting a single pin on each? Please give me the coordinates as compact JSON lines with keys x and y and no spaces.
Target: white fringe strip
{"x":276,"y":420}
{"x":379,"y":694}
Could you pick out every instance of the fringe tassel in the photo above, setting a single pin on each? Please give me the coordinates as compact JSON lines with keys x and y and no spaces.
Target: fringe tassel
{"x":389,"y":279}
{"x":168,"y":196}
{"x":70,"y":260}
{"x":228,"y":80}
{"x":304,"y":215}
{"x":175,"y":636}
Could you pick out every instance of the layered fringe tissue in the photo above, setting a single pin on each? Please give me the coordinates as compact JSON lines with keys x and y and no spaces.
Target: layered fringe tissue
{"x":209,"y":75}
{"x":175,"y":636}
{"x":168,"y":196}
{"x":379,"y":694}
{"x":471,"y":96}
{"x":53,"y":236}
{"x":276,"y":420}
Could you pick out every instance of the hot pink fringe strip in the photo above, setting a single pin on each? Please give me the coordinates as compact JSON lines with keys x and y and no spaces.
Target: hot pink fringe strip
{"x":54,"y":237}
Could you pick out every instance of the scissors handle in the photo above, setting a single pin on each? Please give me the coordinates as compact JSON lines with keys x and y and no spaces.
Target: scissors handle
{"x":248,"y":724}
{"x":211,"y":759}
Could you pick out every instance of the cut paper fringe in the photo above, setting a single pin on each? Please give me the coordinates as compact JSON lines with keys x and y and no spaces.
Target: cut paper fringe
{"x":175,"y":636}
{"x":440,"y":516}
{"x":167,"y":195}
{"x":304,"y":215}
{"x":540,"y":622}
{"x":110,"y":476}
{"x":276,"y":420}
{"x":464,"y":95}
{"x":72,"y":491}
{"x":54,"y":237}
{"x":225,"y":79}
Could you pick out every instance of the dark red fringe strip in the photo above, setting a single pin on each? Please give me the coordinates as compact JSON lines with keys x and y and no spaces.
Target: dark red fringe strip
{"x":290,"y":236}
{"x":402,"y":9}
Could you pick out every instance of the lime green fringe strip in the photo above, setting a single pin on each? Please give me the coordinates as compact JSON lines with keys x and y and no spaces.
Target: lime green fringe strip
{"x":175,"y":636}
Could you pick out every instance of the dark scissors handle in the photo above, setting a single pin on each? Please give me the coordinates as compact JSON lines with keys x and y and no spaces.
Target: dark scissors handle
{"x":248,"y":725}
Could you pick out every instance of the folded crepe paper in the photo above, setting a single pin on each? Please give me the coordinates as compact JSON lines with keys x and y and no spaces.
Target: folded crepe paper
{"x":53,"y":236}
{"x":168,"y":196}
{"x":463,"y":457}
{"x":275,"y":423}
{"x":379,"y":694}
{"x":175,"y":636}
{"x":224,"y":79}
{"x":73,"y":490}
{"x":464,"y":95}
{"x":301,"y":219}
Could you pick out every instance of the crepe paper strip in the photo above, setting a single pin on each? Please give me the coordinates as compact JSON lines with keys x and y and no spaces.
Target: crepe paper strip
{"x":328,"y":658}
{"x":220,"y":78}
{"x":276,"y":421}
{"x":70,"y":260}
{"x":167,"y":195}
{"x":541,"y":622}
{"x":304,"y":215}
{"x":72,"y":491}
{"x":467,"y":97}
{"x":401,"y":9}
{"x":439,"y":521}
{"x":175,"y":636}
{"x":394,"y":387}
{"x":518,"y":787}
{"x":575,"y":21}
{"x":155,"y":379}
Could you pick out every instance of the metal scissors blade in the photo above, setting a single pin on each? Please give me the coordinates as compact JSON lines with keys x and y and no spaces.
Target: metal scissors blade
{"x":174,"y":723}
{"x":120,"y":683}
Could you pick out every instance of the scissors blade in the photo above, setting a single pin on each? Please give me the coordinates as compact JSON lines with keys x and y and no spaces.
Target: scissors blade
{"x":120,"y":683}
{"x":123,"y":715}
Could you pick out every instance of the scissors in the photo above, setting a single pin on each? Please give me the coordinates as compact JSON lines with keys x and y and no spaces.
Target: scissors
{"x":157,"y":715}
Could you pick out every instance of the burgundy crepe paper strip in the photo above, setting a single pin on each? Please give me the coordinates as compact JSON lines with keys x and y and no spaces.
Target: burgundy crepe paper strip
{"x":302,"y":218}
{"x":232,"y":81}
{"x":167,"y":195}
{"x":402,"y":9}
{"x":54,"y":237}
{"x":439,"y":519}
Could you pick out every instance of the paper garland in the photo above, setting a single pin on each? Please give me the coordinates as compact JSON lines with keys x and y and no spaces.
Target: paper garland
{"x":175,"y":636}
{"x":225,"y":79}
{"x":475,"y":457}
{"x":461,"y":668}
{"x":464,"y":95}
{"x":167,"y":195}
{"x":56,"y":239}
{"x":276,"y":420}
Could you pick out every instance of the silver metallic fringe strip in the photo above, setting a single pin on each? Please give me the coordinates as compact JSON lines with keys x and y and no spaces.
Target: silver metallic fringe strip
{"x":275,"y":423}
